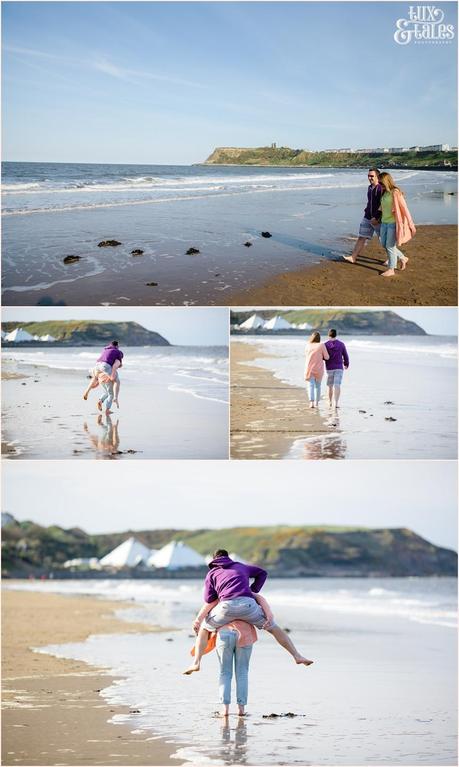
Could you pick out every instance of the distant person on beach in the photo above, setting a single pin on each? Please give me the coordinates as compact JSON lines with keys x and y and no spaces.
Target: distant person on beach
{"x":229,"y":596}
{"x":338,"y":360}
{"x":371,"y":220}
{"x":316,"y":354}
{"x":397,"y":225}
{"x":105,"y":374}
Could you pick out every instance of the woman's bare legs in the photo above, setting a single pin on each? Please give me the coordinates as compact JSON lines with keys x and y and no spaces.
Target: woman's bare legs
{"x":92,"y":385}
{"x":284,"y":640}
{"x":199,"y":647}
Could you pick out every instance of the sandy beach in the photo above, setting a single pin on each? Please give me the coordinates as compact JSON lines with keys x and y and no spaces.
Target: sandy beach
{"x":429,"y":280}
{"x":266,"y":414}
{"x":380,"y":416}
{"x":164,"y":405}
{"x":52,"y":710}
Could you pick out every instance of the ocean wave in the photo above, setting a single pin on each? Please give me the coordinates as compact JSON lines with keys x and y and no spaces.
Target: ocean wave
{"x":442,"y":350}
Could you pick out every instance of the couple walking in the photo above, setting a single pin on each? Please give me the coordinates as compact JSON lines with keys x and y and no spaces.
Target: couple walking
{"x":336,"y":358}
{"x":386,"y":215}
{"x":227,"y":621}
{"x":105,"y":375}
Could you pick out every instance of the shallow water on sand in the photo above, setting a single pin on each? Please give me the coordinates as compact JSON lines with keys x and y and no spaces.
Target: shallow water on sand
{"x":416,"y":374}
{"x":51,"y":211}
{"x":381,"y":691}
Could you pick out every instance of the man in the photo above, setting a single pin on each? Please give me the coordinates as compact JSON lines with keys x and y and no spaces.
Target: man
{"x":371,"y":221}
{"x":229,"y":596}
{"x":338,"y":359}
{"x":105,"y":373}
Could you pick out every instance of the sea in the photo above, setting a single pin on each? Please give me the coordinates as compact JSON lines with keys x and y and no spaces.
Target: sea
{"x":381,"y":691}
{"x":51,"y":210}
{"x":412,"y":379}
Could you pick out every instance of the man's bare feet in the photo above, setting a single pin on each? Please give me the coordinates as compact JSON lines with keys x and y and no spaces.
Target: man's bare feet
{"x":191,"y":669}
{"x":351,"y":259}
{"x":99,"y":405}
{"x":388,"y":273}
{"x":303,"y":661}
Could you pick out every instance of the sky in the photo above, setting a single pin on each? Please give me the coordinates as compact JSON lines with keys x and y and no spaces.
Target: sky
{"x":195,"y":325}
{"x":165,"y":83}
{"x":195,"y":494}
{"x":187,"y":326}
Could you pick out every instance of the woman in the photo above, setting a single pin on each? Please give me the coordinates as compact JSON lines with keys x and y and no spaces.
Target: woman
{"x":397,"y":225}
{"x":230,"y":652}
{"x":316,"y":353}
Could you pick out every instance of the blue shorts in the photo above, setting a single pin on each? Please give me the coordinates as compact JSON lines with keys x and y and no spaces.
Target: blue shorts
{"x":367,"y":230}
{"x":334,"y":377}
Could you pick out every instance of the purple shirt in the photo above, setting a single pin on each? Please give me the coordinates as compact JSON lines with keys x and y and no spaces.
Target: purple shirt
{"x":110,"y":354}
{"x":338,"y":355}
{"x":228,"y":579}
{"x":374,"y":195}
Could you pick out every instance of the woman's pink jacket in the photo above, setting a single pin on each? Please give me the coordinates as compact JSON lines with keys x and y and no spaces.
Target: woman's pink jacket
{"x":404,"y":225}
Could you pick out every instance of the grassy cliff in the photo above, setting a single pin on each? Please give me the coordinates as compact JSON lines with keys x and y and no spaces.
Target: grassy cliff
{"x":346,"y":322}
{"x":91,"y":332}
{"x":284,"y":156}
{"x":284,"y":550}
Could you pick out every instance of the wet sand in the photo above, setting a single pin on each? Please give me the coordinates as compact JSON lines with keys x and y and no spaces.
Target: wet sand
{"x":267,"y":416}
{"x":430,"y":278}
{"x":45,"y":416}
{"x":52,"y":710}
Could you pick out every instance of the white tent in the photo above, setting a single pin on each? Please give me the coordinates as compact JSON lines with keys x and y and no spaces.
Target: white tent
{"x":175,"y":555}
{"x":277,"y":323}
{"x":17,"y":335}
{"x":48,"y":337}
{"x":130,"y":553}
{"x":252,"y":323}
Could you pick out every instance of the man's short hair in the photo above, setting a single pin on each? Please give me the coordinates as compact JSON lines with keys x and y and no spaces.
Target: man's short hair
{"x":332,"y":333}
{"x":375,"y":170}
{"x":220,"y":553}
{"x":114,"y":343}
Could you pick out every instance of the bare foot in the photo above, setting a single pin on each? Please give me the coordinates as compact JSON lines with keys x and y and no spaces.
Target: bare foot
{"x":116,"y":403}
{"x":191,"y":669}
{"x":311,"y":404}
{"x":350,"y":259}
{"x":404,"y":261}
{"x":241,"y":710}
{"x":85,"y":396}
{"x":99,"y":405}
{"x":388,"y":273}
{"x":303,"y":661}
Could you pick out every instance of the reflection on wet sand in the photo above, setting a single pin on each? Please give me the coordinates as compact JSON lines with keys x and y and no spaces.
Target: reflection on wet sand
{"x":233,"y":751}
{"x":105,"y":440}
{"x":332,"y":445}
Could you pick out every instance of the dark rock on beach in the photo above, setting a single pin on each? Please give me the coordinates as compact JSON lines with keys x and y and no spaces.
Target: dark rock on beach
{"x":151,"y":284}
{"x":108,"y":244}
{"x":389,"y":418}
{"x":137,"y":252}
{"x":71,"y":259}
{"x":192,"y":251}
{"x":388,"y":402}
{"x":266,"y":234}
{"x":248,"y":244}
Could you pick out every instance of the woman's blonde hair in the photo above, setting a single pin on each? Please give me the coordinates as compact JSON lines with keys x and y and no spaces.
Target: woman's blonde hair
{"x":388,"y":182}
{"x":315,"y":338}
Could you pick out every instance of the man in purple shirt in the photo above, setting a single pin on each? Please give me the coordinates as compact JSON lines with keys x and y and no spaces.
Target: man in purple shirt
{"x":338,"y":359}
{"x":228,"y":583}
{"x":371,"y":221}
{"x":105,"y":373}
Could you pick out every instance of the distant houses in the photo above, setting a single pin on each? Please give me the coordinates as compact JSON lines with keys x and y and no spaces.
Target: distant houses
{"x":20,"y":336}
{"x":175,"y":555}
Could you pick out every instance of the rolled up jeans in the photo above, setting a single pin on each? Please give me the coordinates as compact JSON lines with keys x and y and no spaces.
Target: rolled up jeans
{"x":230,"y":654}
{"x":388,"y":238}
{"x":314,"y":389}
{"x":241,"y":608}
{"x":107,"y":386}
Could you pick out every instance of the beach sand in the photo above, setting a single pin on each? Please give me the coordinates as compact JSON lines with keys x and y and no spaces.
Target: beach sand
{"x":266,"y":414}
{"x":430,"y":278}
{"x":45,"y":416}
{"x":52,"y":710}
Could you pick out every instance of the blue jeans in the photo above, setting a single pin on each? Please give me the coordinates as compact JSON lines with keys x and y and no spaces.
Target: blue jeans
{"x":228,"y":654}
{"x":314,"y":389}
{"x":387,"y":239}
{"x":107,"y":388}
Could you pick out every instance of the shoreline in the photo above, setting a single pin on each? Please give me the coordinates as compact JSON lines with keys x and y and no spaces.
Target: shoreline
{"x":53,"y":712}
{"x":318,"y":167}
{"x":267,"y":435}
{"x":338,"y":281}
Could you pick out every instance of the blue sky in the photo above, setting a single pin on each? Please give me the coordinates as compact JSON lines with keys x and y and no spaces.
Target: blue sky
{"x":420,"y":495}
{"x":196,"y":326}
{"x":153,"y":82}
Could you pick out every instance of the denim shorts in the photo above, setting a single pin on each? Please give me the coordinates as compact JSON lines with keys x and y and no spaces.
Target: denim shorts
{"x":228,"y":610}
{"x":334,"y":377}
{"x":367,"y":230}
